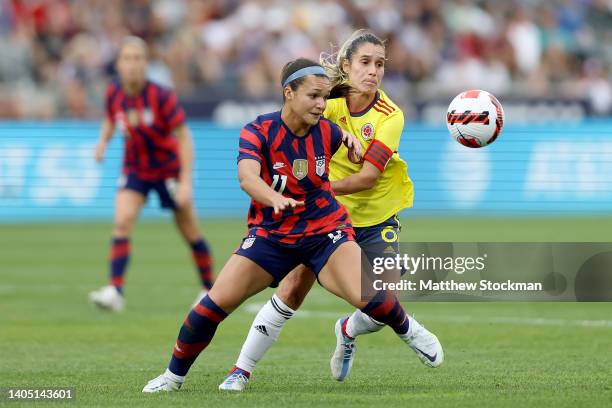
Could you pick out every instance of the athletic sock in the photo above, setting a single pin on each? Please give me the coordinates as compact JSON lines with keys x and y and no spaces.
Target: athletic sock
{"x":176,"y":378}
{"x":263,"y":333}
{"x":360,"y":323}
{"x":119,"y":258}
{"x":385,"y":308}
{"x":196,"y":333}
{"x":203,"y":261}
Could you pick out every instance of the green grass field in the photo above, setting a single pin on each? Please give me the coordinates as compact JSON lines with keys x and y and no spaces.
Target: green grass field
{"x":497,"y":354}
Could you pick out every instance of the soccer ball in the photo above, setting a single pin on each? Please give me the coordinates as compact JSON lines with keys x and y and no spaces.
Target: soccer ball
{"x":475,"y":118}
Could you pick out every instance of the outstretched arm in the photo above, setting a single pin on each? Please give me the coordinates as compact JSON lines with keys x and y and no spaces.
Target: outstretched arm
{"x":252,"y":183}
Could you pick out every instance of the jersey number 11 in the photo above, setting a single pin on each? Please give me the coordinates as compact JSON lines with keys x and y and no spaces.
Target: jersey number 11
{"x":283,"y":183}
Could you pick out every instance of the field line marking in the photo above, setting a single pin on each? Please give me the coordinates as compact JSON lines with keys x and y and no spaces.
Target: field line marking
{"x":253,"y":308}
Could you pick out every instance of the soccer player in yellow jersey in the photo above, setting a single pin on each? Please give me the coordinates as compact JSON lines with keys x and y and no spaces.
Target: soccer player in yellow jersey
{"x":380,"y":187}
{"x":373,"y":193}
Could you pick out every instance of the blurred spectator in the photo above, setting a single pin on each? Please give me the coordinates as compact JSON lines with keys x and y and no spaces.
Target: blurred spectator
{"x":57,"y":55}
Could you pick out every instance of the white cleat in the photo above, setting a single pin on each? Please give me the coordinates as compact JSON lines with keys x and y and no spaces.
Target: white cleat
{"x":199,"y":298}
{"x":425,"y":344}
{"x":342,"y":360}
{"x":162,"y":383}
{"x":237,"y":380}
{"x":108,"y":298}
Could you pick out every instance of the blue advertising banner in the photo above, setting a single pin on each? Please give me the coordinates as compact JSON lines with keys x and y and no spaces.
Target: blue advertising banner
{"x":47,"y":172}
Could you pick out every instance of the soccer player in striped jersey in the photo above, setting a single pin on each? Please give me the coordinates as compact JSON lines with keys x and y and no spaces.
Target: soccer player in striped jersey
{"x":157,"y":156}
{"x":373,"y":193}
{"x":294,"y":218}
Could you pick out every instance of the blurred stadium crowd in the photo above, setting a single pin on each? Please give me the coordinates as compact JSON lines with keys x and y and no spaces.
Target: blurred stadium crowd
{"x":56,"y":56}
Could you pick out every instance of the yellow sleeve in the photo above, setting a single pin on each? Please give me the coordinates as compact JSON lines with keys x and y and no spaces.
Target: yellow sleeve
{"x":330,"y":110}
{"x":391,"y":130}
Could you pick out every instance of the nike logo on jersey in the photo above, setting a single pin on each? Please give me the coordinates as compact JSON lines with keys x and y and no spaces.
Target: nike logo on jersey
{"x":278,"y":165}
{"x":430,"y":358}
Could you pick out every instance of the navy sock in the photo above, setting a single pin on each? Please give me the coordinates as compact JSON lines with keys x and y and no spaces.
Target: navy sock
{"x":385,"y":308}
{"x":203,"y":261}
{"x":196,"y":333}
{"x":119,"y":258}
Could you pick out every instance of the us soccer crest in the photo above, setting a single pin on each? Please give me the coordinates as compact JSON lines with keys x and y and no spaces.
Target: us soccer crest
{"x":367,"y":131}
{"x":300,"y":168}
{"x":147,"y":117}
{"x":120,"y":121}
{"x":320,"y":165}
{"x":132,"y":117}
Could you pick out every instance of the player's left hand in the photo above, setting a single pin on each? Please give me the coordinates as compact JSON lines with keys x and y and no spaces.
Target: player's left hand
{"x":354,"y":147}
{"x":184,"y":194}
{"x":99,"y":152}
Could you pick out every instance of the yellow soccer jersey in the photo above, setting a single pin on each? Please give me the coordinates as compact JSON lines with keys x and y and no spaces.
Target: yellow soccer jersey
{"x":383,"y":122}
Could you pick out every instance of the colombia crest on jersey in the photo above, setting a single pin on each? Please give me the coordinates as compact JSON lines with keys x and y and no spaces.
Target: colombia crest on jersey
{"x":379,"y":128}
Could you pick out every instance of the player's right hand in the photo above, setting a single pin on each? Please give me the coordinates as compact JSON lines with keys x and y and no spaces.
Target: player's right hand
{"x":354,"y":147}
{"x":100,"y":150}
{"x":280,"y":203}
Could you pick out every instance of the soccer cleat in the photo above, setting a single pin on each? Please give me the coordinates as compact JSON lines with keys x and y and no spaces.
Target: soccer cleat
{"x":424,"y":343}
{"x":162,"y":383}
{"x":237,"y":380}
{"x":342,"y":359}
{"x":108,"y":298}
{"x":199,"y":298}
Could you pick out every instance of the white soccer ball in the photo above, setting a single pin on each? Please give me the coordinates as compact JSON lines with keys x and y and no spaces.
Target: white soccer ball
{"x":475,"y":118}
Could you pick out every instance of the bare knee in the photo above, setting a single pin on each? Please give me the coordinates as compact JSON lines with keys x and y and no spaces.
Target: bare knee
{"x":239,"y":279}
{"x":128,"y":205}
{"x":225,"y":301}
{"x":296,"y":285}
{"x":123,"y":227}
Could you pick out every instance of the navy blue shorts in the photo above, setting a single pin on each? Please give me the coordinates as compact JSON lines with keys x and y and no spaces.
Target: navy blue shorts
{"x":165,"y":188}
{"x":380,"y":239}
{"x":279,"y":259}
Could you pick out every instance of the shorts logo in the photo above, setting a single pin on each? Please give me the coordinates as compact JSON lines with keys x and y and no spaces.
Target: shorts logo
{"x":335,"y":236}
{"x":390,"y":250}
{"x":122,"y":181}
{"x":248,"y":242}
{"x":300,"y":168}
{"x":367,"y":131}
{"x":389,"y":234}
{"x":171,"y":186}
{"x":320,"y":165}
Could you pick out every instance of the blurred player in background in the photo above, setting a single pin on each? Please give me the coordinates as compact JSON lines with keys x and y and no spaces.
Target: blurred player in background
{"x":294,"y":218}
{"x":373,"y":194}
{"x":158,"y":156}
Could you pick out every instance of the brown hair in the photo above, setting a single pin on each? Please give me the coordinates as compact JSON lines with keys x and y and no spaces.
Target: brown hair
{"x":333,"y":62}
